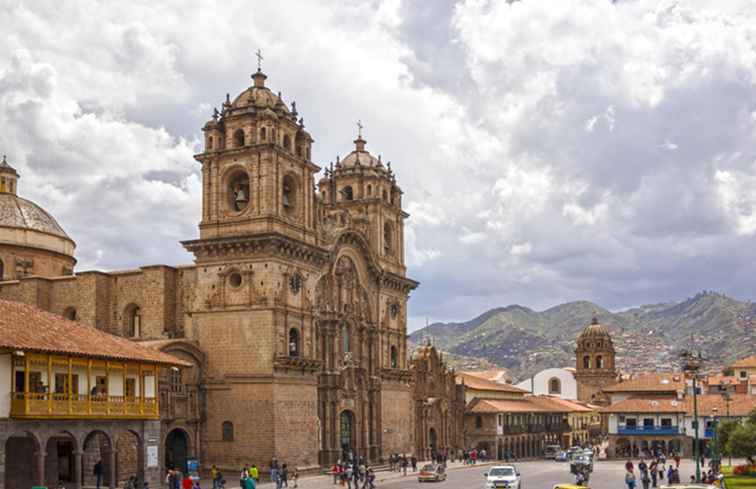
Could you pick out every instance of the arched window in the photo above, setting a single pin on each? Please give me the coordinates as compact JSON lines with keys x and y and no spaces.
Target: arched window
{"x":385,"y":195}
{"x":599,"y":362}
{"x":133,"y":321}
{"x":70,"y":314}
{"x":345,"y":340}
{"x":299,"y":150}
{"x":228,"y":431}
{"x":288,"y":194}
{"x":478,"y":422}
{"x":2,"y":270}
{"x":555,"y":386}
{"x":287,"y":142}
{"x":263,"y":134}
{"x":394,"y":357}
{"x":293,"y":342}
{"x":586,"y":361}
{"x":388,"y":238}
{"x":370,"y":190}
{"x":239,"y":138}
{"x":209,"y":142}
{"x":176,"y":380}
{"x":347,"y":193}
{"x":238,"y":191}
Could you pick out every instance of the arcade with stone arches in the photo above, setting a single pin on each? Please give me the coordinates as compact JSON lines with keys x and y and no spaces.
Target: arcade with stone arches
{"x":43,"y":453}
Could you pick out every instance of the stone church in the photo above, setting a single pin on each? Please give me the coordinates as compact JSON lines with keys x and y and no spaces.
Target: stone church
{"x":293,"y":314}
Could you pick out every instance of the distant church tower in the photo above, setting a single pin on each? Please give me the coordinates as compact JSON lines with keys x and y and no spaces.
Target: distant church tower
{"x":594,"y":357}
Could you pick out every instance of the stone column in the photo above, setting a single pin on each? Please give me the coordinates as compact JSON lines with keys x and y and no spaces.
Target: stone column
{"x":112,"y":468}
{"x":78,"y":482}
{"x":40,"y":456}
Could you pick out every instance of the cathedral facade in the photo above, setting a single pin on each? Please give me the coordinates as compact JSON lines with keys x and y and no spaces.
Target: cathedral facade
{"x":293,"y":314}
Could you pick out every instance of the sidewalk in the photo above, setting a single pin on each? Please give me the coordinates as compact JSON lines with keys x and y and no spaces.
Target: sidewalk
{"x":326,"y":481}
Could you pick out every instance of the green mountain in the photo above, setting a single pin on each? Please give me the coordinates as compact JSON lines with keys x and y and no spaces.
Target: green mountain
{"x":647,"y":338}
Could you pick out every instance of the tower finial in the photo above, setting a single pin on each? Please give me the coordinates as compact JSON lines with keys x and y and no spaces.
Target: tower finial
{"x":260,"y":59}
{"x":359,"y":129}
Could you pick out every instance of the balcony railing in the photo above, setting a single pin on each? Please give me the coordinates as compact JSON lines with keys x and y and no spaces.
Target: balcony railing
{"x":648,"y":430}
{"x":82,"y":406}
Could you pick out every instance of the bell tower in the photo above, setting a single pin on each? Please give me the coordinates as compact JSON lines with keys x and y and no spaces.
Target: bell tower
{"x":362,"y":190}
{"x":8,"y":178}
{"x":257,"y":174}
{"x":594,"y":356}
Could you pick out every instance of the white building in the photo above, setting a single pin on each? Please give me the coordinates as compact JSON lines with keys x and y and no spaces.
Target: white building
{"x":552,"y":381}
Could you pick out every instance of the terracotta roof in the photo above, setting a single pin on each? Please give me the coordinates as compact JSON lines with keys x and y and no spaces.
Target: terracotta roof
{"x":740,"y":404}
{"x":649,"y":383}
{"x":560,"y":404}
{"x":26,"y":328}
{"x":494,"y":374}
{"x":524,"y":405}
{"x":720,"y":379}
{"x":640,"y":405}
{"x":748,"y":362}
{"x":478,"y":383}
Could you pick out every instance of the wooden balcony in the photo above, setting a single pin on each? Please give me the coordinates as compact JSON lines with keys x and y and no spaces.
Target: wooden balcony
{"x":32,"y":405}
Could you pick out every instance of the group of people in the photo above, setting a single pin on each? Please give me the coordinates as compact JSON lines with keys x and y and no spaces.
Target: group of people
{"x":653,"y":473}
{"x":400,"y":463}
{"x":471,"y":457}
{"x":175,"y":479}
{"x":355,"y":473}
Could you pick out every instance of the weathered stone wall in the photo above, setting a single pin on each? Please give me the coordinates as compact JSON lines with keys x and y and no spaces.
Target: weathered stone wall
{"x":397,"y":416}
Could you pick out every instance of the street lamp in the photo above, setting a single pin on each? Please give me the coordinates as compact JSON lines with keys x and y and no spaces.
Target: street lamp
{"x":716,"y":455}
{"x":727,"y":398}
{"x":692,"y":364}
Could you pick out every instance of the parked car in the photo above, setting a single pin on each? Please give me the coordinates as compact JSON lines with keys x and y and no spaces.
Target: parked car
{"x":551,"y":451}
{"x":432,"y":473}
{"x":503,"y":477}
{"x":570,"y":486}
{"x":562,"y":457}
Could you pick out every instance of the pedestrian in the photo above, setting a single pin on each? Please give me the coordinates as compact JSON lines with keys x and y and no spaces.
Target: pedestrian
{"x":98,"y":471}
{"x":275,"y":474}
{"x":629,"y":466}
{"x":653,"y":472}
{"x":244,"y":475}
{"x":295,"y":477}
{"x":413,"y":461}
{"x":348,"y":474}
{"x":662,"y":469}
{"x":218,"y":481}
{"x":630,"y":479}
{"x":335,"y":472}
{"x":404,"y":465}
{"x":249,"y":483}
{"x":670,"y":475}
{"x":254,"y":473}
{"x":645,"y":479}
{"x":677,"y":460}
{"x":642,"y":467}
{"x":186,"y":482}
{"x":214,"y":475}
{"x":370,"y":479}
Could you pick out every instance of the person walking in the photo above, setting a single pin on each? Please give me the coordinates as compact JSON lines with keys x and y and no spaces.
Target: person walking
{"x":244,"y":475}
{"x":335,"y":472}
{"x":275,"y":474}
{"x":254,"y":473}
{"x":645,"y":479}
{"x":284,"y":475}
{"x":413,"y":461}
{"x":214,"y":475}
{"x":404,"y":465}
{"x":249,"y":483}
{"x":98,"y":470}
{"x":630,"y":479}
{"x":653,"y":472}
{"x":295,"y":477}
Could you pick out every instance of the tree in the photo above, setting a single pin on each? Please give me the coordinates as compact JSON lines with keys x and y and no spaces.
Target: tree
{"x":742,"y":441}
{"x":724,"y":431}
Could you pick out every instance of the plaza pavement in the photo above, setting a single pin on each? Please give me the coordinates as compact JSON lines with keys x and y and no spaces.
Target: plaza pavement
{"x":536,"y":474}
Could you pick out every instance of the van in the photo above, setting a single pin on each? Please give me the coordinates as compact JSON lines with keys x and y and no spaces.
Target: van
{"x":551,"y":451}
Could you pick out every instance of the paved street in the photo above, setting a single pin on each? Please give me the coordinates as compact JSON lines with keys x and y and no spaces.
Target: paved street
{"x":535,"y":475}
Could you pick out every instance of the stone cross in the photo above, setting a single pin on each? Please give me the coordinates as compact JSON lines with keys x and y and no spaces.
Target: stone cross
{"x":259,"y":59}
{"x":359,"y":128}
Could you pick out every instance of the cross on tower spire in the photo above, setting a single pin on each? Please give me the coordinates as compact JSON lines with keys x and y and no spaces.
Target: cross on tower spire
{"x":359,"y":128}
{"x":260,"y":58}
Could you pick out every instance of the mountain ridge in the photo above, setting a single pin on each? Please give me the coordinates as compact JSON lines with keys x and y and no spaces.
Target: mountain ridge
{"x":525,"y":341}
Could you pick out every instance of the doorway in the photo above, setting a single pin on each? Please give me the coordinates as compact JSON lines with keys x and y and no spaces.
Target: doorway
{"x":176,"y":450}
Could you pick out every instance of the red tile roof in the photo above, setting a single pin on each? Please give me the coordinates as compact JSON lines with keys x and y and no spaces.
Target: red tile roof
{"x":26,"y":328}
{"x":748,"y":362}
{"x":477,"y":383}
{"x":560,"y":404}
{"x":740,"y":404}
{"x":639,"y":405}
{"x":524,"y":405}
{"x":649,"y":383}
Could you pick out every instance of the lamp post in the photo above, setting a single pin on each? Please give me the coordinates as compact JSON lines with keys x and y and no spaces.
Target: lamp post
{"x":717,"y":454}
{"x":692,"y":364}
{"x":727,"y":398}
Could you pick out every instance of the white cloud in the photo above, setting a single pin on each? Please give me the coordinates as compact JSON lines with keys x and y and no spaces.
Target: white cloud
{"x":547,"y":150}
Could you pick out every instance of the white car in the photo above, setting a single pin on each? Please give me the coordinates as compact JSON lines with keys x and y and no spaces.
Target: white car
{"x":503,"y":477}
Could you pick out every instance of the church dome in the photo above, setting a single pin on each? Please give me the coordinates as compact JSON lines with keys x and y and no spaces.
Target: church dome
{"x":360,"y":156}
{"x":260,"y":97}
{"x":16,"y":212}
{"x":25,"y":225}
{"x":595,"y":330}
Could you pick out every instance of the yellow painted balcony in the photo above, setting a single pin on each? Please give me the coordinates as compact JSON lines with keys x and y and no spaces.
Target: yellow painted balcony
{"x":81,"y":406}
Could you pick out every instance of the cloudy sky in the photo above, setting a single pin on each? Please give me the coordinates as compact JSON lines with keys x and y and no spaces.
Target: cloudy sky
{"x":548,"y":150}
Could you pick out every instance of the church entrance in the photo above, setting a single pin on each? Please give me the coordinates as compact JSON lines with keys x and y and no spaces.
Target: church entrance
{"x":433,"y":442}
{"x":176,"y":450}
{"x":347,"y":432}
